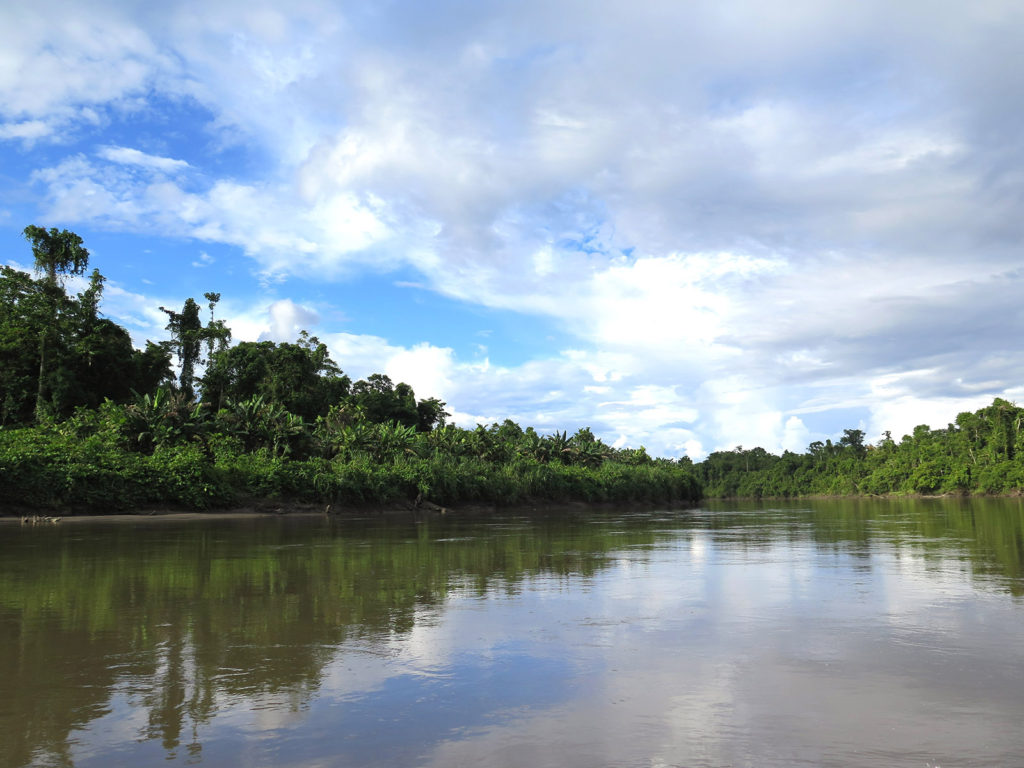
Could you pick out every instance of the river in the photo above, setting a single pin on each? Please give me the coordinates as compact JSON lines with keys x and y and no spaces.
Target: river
{"x":820,"y":633}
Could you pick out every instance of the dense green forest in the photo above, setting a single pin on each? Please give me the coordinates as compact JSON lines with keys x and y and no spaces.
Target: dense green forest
{"x":89,"y":422}
{"x":982,"y":452}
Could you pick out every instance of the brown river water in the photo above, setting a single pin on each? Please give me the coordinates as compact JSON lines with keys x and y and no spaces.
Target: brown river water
{"x":818,"y":633}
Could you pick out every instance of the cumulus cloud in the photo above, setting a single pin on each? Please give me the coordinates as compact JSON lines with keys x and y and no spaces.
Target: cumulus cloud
{"x":62,"y":62}
{"x":288,"y":320}
{"x":283,"y":233}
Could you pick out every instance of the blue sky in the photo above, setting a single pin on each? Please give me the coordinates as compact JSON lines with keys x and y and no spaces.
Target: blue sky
{"x":689,"y":225}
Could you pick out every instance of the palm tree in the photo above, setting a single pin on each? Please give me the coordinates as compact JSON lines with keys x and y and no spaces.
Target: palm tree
{"x":55,"y":253}
{"x":559,"y":446}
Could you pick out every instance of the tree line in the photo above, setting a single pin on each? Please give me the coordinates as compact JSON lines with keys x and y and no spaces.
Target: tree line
{"x":980,"y":452}
{"x":88,"y":420}
{"x":60,"y":354}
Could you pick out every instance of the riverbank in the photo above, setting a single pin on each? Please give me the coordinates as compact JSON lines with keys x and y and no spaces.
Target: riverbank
{"x":1014,"y":493}
{"x":261,"y":509}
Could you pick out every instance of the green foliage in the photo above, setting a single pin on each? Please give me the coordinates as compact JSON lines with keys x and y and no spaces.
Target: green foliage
{"x":980,"y":453}
{"x":262,"y":424}
{"x":273,"y":420}
{"x":300,"y":377}
{"x":56,"y":252}
{"x":81,"y":358}
{"x":24,"y":314}
{"x":430,"y":414}
{"x":188,"y":335}
{"x":163,"y":448}
{"x":383,"y":402}
{"x":183,"y":475}
{"x":57,"y":468}
{"x":167,"y":417}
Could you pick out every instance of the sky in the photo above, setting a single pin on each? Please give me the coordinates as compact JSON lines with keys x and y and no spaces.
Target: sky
{"x":689,"y":225}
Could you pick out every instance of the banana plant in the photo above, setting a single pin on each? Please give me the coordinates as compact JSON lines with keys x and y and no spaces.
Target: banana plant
{"x":589,"y":454}
{"x":286,"y":430}
{"x":333,"y":432}
{"x":259,"y":423}
{"x":559,"y":447}
{"x":165,"y":417}
{"x":533,"y":446}
{"x":392,"y":441}
{"x":349,"y":440}
{"x":448,"y":441}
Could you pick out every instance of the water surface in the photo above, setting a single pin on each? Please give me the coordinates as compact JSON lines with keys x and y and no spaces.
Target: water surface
{"x":848,"y":633}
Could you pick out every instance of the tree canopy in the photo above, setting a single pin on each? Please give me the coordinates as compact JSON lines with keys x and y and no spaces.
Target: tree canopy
{"x":65,"y":367}
{"x":300,"y":376}
{"x":57,"y":353}
{"x":56,"y":252}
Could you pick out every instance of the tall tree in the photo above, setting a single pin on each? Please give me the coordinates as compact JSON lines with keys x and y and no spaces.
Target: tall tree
{"x":188,"y":334}
{"x":217,"y":334}
{"x":186,"y":329}
{"x":55,"y":253}
{"x":90,"y":358}
{"x":431,"y":414}
{"x":24,"y":314}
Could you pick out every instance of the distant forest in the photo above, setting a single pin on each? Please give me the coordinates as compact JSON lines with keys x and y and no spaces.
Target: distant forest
{"x":89,"y":422}
{"x":982,"y":452}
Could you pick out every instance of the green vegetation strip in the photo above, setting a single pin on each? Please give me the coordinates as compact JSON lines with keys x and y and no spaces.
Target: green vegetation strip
{"x":88,"y":422}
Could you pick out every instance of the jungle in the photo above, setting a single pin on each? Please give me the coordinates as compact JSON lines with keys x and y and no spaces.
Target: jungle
{"x":88,"y":422}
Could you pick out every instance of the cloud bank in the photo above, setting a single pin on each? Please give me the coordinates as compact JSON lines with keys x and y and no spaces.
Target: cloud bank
{"x":759,"y":223}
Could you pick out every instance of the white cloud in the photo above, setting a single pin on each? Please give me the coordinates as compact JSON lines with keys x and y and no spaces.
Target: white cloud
{"x":129,"y":156}
{"x":261,"y":219}
{"x":60,"y":61}
{"x":795,"y":435}
{"x":424,"y":367}
{"x":551,"y":394}
{"x":287,"y":320}
{"x":28,"y":130}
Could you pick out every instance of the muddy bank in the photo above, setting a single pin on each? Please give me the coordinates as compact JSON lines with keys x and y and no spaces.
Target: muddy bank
{"x":275,"y":508}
